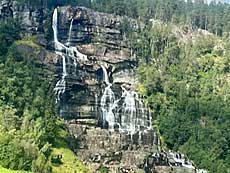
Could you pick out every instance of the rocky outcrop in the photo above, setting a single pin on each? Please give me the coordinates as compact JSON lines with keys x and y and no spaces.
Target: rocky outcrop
{"x":95,"y":75}
{"x":96,"y":94}
{"x":98,"y":146}
{"x":6,"y":9}
{"x":98,"y":35}
{"x":32,"y":18}
{"x":107,"y":117}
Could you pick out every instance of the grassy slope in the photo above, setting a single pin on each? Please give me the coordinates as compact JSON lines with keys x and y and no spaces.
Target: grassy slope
{"x":70,"y":162}
{"x":4,"y":170}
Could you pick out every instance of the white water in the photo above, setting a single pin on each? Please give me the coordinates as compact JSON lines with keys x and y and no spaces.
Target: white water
{"x":70,"y":31}
{"x":108,"y":102}
{"x":63,"y":51}
{"x":130,"y":117}
{"x":187,"y":164}
{"x":58,"y":46}
{"x":128,"y":122}
{"x":74,"y":53}
{"x":61,"y":84}
{"x":54,"y":26}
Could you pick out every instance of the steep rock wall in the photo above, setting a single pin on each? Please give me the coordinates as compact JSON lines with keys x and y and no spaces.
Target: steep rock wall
{"x":31,"y":18}
{"x":96,"y":89}
{"x":124,"y":142}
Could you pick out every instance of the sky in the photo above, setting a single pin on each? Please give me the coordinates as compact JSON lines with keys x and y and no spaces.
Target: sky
{"x":226,"y":1}
{"x":223,"y":1}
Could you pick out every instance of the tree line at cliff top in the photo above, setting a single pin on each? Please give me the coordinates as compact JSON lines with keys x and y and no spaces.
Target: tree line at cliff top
{"x":214,"y":17}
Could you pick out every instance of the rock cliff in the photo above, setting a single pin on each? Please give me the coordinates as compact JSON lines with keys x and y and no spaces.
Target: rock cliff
{"x":31,"y":18}
{"x":94,"y":86}
{"x":95,"y":92}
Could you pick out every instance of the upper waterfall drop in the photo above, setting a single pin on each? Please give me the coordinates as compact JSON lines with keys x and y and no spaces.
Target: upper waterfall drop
{"x":64,"y":52}
{"x":69,"y":51}
{"x":61,"y":84}
{"x":54,"y":25}
{"x":58,"y":46}
{"x":70,"y":31}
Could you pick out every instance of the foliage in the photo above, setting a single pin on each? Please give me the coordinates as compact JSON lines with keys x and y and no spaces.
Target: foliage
{"x":103,"y":169}
{"x":9,"y":32}
{"x":187,"y":87}
{"x":213,"y":17}
{"x":4,"y":170}
{"x":29,"y":129}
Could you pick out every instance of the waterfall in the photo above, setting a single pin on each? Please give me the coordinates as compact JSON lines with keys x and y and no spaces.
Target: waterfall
{"x":130,"y":117}
{"x":108,"y":102}
{"x":74,"y":53}
{"x":127,"y":112}
{"x":105,"y":76}
{"x":54,"y":26}
{"x":70,"y":31}
{"x":61,"y":84}
{"x":63,"y":51}
{"x":128,"y":122}
{"x":58,"y":46}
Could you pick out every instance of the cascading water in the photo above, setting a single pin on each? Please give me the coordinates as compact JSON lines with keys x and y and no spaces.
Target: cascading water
{"x":58,"y":46}
{"x":61,"y":84}
{"x":70,"y":31}
{"x":126,"y":113}
{"x":54,"y":26}
{"x":128,"y":123}
{"x":64,"y":52}
{"x":132,"y":116}
{"x":108,"y":102}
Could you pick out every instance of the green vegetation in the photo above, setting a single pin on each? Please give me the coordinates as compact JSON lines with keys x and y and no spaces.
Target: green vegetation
{"x":30,"y":133}
{"x":213,"y":17}
{"x":185,"y":78}
{"x":29,"y":41}
{"x":187,"y":86}
{"x":4,"y":170}
{"x":9,"y":31}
